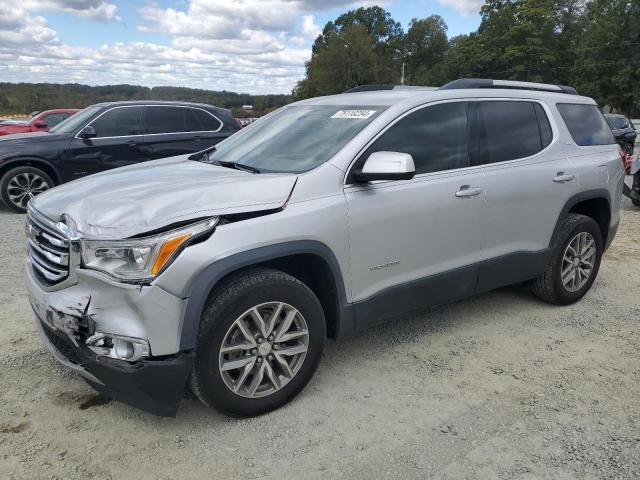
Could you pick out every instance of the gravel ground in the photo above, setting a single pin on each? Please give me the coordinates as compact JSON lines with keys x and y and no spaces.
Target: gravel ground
{"x":497,"y":386}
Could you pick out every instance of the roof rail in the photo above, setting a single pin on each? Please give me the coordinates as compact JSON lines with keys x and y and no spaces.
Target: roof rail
{"x":374,"y":88}
{"x":488,"y":83}
{"x":369,"y":88}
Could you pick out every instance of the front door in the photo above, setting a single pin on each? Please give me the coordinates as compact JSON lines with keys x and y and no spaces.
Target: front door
{"x":119,"y":142}
{"x":415,"y":243}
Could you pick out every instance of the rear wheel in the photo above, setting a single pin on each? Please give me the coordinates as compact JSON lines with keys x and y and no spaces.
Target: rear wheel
{"x":260,"y":341}
{"x":574,"y":264}
{"x":19,"y":185}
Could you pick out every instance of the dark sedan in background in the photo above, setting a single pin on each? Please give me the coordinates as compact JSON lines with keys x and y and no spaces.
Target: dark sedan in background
{"x":623,"y":130}
{"x":105,"y":136}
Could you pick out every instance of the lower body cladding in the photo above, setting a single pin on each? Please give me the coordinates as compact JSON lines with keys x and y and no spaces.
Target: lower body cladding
{"x":122,"y":339}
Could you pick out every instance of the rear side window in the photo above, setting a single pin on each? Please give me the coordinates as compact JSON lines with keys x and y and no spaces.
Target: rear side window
{"x":165,"y":119}
{"x":119,"y":122}
{"x":436,"y":137}
{"x":507,"y":130}
{"x":586,"y":124}
{"x":201,"y":121}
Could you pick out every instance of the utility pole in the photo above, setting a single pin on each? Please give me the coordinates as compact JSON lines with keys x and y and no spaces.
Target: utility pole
{"x":402,"y":75}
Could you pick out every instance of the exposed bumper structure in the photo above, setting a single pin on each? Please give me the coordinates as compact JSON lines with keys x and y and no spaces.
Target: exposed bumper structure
{"x":155,"y":386}
{"x":69,"y":319}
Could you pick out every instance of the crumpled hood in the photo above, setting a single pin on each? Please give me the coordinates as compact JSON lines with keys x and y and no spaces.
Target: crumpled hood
{"x":140,"y":198}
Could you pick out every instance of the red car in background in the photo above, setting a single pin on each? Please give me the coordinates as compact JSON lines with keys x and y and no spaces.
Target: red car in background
{"x":41,"y":122}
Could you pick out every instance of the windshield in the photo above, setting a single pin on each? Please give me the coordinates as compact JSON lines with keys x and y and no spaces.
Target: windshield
{"x":295,"y":139}
{"x":76,"y":121}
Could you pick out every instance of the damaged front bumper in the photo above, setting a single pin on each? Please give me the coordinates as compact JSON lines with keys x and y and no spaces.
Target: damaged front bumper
{"x":73,"y":323}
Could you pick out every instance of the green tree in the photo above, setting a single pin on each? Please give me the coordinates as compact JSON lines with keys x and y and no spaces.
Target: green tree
{"x":607,"y":63}
{"x":425,"y":46}
{"x":346,"y":60}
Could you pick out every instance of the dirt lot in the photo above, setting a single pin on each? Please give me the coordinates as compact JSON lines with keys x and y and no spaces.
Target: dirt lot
{"x":498,"y":386}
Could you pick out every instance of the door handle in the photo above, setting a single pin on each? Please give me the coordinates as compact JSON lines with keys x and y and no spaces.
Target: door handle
{"x":131,"y":143}
{"x":468,"y":191}
{"x":196,"y":138}
{"x":561,"y":177}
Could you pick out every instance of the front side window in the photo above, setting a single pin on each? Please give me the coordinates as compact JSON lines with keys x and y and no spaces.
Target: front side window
{"x":436,"y":137}
{"x":54,"y":119}
{"x":119,"y":122}
{"x":295,"y":139}
{"x":586,"y":124}
{"x":507,"y":130}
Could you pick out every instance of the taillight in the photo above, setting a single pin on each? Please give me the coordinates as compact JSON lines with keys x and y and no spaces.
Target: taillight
{"x":626,"y":160}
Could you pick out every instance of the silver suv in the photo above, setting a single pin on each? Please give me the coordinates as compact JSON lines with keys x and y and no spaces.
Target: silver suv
{"x":226,"y":270}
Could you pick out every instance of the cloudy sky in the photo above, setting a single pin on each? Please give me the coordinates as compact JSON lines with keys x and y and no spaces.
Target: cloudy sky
{"x":253,"y":46}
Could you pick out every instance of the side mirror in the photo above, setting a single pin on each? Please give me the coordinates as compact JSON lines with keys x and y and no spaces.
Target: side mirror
{"x":40,"y":124}
{"x":87,"y":132}
{"x":386,"y":166}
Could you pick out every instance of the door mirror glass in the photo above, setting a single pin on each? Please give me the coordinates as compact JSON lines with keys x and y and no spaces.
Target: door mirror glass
{"x":387,"y":166}
{"x":87,"y":132}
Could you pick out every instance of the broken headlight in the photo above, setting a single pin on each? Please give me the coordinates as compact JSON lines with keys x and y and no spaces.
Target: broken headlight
{"x":139,"y":259}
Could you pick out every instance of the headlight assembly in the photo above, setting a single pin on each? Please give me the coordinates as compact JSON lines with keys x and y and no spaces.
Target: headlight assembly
{"x":141,"y":259}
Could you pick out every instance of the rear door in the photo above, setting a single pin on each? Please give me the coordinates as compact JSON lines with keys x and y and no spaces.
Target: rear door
{"x":178,"y":130}
{"x":528,"y":180}
{"x":119,"y":142}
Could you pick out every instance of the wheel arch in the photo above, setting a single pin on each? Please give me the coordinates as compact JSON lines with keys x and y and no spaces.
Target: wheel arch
{"x":312,"y":262}
{"x":31,"y":162}
{"x":592,"y":203}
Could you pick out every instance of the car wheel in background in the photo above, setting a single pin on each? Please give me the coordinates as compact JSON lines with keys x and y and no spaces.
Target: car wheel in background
{"x":19,"y":185}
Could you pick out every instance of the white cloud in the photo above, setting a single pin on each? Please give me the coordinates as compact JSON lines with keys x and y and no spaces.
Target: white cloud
{"x":309,"y":27}
{"x":465,"y":7}
{"x":254,"y":46}
{"x":92,"y":9}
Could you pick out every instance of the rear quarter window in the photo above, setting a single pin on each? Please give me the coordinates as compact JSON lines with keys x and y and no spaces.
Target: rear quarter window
{"x":586,"y":124}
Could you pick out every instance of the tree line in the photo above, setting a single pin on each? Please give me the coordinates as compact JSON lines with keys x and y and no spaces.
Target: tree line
{"x":24,"y":98}
{"x":592,"y":45}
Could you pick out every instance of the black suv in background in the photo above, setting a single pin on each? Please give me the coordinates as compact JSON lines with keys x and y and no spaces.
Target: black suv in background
{"x":623,"y":130}
{"x":105,"y":136}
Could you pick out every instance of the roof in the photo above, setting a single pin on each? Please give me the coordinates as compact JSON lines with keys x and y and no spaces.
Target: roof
{"x":158,"y":102}
{"x":410,"y":97}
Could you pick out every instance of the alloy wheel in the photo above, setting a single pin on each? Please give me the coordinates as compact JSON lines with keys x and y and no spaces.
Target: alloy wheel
{"x":578,"y":261}
{"x":24,"y":186}
{"x":263,"y":350}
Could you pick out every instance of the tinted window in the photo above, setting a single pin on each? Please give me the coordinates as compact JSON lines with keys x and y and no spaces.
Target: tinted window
{"x":436,"y":137}
{"x":546,"y":134}
{"x":586,"y":124}
{"x":119,"y":122}
{"x":504,"y":130}
{"x":54,"y":119}
{"x":166,"y":119}
{"x":617,"y":123}
{"x":200,"y":121}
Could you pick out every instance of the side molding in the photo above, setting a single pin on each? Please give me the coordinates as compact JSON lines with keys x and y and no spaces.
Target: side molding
{"x":210,"y":276}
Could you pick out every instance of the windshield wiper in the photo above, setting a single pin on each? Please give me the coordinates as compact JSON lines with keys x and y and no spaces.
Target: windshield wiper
{"x":237,"y":166}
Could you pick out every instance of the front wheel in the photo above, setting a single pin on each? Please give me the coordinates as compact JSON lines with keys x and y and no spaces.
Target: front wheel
{"x":574,"y":264}
{"x":260,"y":341}
{"x":20,"y":185}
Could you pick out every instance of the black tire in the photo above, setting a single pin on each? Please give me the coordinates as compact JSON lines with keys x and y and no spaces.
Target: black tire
{"x":13,"y":173}
{"x":237,"y":295}
{"x":549,"y":286}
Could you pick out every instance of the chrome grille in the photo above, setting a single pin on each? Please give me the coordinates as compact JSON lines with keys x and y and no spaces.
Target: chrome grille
{"x":48,"y":251}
